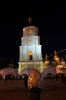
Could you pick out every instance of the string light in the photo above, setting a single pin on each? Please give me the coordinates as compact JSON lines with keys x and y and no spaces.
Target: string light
{"x":57,"y":52}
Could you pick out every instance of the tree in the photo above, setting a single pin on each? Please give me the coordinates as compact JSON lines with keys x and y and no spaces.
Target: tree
{"x":3,"y":62}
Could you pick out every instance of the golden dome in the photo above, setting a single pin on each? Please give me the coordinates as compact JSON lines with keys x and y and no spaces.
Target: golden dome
{"x":47,"y":62}
{"x":56,"y":58}
{"x":46,"y":57}
{"x":11,"y":64}
{"x":62,"y":62}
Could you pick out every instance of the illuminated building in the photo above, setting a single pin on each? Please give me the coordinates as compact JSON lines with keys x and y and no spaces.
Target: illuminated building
{"x":30,"y":54}
{"x":62,"y":64}
{"x":62,"y":61}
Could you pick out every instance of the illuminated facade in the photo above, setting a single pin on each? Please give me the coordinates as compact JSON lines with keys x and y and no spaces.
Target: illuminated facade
{"x":30,"y":54}
{"x":62,"y":64}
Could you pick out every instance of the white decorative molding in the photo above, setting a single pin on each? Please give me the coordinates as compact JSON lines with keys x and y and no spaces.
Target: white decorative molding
{"x":30,"y":42}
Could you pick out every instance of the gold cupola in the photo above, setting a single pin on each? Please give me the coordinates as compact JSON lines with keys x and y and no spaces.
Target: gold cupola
{"x":47,"y":62}
{"x":62,"y":61}
{"x":11,"y":64}
{"x":56,"y":58}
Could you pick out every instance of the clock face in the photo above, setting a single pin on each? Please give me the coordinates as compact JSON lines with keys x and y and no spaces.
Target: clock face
{"x":30,"y":32}
{"x":30,"y":40}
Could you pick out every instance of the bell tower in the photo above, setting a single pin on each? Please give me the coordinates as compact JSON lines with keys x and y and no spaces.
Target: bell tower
{"x":30,"y":54}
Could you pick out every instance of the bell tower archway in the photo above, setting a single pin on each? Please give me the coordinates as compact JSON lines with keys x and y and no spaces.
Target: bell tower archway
{"x":30,"y":55}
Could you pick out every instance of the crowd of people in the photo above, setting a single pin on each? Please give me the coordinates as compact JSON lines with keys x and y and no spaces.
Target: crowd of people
{"x":35,"y":91}
{"x":60,"y":76}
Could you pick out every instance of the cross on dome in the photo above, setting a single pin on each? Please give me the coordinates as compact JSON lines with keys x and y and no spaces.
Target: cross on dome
{"x":30,"y":20}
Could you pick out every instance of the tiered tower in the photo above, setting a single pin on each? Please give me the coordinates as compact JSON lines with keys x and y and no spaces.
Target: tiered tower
{"x":30,"y":54}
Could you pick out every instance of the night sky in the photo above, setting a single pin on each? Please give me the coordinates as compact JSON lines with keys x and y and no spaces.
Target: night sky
{"x":49,"y":17}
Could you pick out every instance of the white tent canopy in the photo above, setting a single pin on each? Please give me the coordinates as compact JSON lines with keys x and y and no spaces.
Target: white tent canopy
{"x":52,"y":70}
{"x":26,"y":71}
{"x":7,"y":71}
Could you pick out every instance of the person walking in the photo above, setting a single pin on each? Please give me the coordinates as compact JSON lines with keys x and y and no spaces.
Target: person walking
{"x":35,"y":84}
{"x":25,"y":81}
{"x":56,"y":77}
{"x":63,"y":78}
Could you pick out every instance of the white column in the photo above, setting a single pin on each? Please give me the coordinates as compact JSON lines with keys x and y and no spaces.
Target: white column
{"x":20,"y":54}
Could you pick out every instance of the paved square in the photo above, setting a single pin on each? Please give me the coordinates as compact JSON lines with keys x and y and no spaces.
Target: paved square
{"x":15,"y":90}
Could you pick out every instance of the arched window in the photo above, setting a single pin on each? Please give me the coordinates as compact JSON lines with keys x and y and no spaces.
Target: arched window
{"x":30,"y":54}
